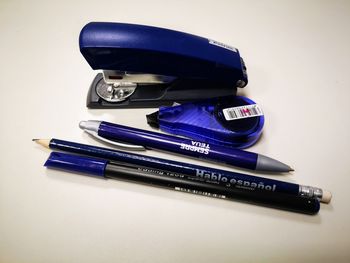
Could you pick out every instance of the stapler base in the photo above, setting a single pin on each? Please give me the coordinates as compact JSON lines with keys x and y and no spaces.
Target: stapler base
{"x":155,"y":95}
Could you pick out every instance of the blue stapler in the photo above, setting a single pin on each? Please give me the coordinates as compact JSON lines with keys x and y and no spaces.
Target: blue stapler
{"x":144,"y":66}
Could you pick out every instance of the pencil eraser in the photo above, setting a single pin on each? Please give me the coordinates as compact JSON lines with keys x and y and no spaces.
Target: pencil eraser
{"x":326,"y":196}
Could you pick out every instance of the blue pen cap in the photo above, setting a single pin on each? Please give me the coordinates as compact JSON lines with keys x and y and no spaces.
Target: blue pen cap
{"x":76,"y":163}
{"x":205,"y":120}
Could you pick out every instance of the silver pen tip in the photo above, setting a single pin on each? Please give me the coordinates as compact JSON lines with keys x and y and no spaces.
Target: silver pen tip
{"x":268,"y":164}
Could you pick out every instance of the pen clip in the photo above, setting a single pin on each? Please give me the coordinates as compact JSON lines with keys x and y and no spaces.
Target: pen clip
{"x":118,"y":144}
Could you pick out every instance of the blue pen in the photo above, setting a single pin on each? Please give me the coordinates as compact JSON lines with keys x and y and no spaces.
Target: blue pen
{"x":113,"y":133}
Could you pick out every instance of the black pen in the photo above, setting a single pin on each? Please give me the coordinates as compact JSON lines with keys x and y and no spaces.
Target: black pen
{"x":107,"y":169}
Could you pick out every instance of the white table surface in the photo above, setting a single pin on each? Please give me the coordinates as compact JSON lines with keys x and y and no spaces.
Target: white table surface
{"x":298,"y":60}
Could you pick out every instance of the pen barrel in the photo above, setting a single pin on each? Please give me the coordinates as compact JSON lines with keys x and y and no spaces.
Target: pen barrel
{"x":193,"y":185}
{"x":178,"y":145}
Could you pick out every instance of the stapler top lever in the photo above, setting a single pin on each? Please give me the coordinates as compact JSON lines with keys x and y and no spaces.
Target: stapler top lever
{"x":146,"y":66}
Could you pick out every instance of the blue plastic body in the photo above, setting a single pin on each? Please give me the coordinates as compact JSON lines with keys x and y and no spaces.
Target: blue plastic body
{"x":172,"y":166}
{"x":75,"y":163}
{"x":204,"y":120}
{"x":178,"y":145}
{"x":147,"y":49}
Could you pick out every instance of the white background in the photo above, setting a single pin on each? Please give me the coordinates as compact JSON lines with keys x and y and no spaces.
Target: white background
{"x":298,"y":60}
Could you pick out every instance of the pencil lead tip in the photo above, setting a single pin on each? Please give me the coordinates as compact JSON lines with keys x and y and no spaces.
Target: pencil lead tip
{"x":42,"y":142}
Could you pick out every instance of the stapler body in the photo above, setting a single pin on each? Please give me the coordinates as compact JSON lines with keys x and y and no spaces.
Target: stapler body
{"x":146,"y":66}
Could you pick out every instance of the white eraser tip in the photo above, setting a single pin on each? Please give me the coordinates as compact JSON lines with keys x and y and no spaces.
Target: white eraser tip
{"x":326,"y":196}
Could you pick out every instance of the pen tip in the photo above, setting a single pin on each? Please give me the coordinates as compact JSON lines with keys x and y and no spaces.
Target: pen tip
{"x":268,"y":164}
{"x":33,"y":140}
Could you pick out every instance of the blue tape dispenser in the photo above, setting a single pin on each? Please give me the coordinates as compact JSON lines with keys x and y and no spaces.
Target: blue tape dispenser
{"x":145,"y":66}
{"x":233,"y":121}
